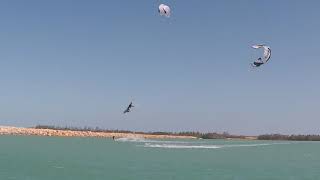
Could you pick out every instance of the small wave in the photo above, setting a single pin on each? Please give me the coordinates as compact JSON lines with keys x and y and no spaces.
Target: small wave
{"x":143,"y":140}
{"x":192,"y":146}
{"x":176,"y":146}
{"x":247,"y":145}
{"x":130,"y":139}
{"x":252,"y":145}
{"x":171,"y":142}
{"x":58,"y":167}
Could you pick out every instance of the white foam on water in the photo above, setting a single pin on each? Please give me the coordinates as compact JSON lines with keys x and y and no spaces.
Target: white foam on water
{"x":246,"y":145}
{"x":252,"y":145}
{"x":192,"y":146}
{"x":58,"y":167}
{"x":135,"y":139}
{"x":178,"y":146}
{"x":169,"y":142}
{"x":143,"y":140}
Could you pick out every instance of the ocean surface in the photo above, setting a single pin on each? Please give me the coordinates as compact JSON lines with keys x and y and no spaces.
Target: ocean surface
{"x":57,"y":158}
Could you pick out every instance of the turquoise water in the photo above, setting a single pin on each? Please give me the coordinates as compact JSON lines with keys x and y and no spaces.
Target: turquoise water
{"x":54,"y":158}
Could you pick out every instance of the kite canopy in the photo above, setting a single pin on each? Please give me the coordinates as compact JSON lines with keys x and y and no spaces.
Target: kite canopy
{"x":164,"y":10}
{"x":266,"y":54}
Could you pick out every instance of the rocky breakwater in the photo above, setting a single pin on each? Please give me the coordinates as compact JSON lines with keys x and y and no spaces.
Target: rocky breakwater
{"x":19,"y":131}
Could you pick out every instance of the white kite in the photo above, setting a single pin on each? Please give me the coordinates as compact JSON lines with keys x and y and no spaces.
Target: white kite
{"x":266,"y":55}
{"x":164,"y":10}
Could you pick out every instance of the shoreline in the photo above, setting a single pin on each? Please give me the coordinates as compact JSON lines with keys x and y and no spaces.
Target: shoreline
{"x":21,"y":131}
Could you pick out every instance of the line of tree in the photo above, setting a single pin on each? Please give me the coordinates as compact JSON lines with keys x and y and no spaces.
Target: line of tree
{"x":211,"y":135}
{"x":289,"y":137}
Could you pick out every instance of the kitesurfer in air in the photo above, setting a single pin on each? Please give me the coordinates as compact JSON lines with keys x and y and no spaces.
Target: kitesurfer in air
{"x":257,"y":63}
{"x":128,"y":108}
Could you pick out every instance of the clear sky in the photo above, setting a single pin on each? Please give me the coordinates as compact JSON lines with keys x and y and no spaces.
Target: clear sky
{"x":80,"y":62}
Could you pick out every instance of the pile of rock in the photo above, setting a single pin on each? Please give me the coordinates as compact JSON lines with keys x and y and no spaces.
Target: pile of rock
{"x":5,"y":130}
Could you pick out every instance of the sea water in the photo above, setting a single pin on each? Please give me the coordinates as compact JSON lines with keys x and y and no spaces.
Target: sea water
{"x":61,"y":158}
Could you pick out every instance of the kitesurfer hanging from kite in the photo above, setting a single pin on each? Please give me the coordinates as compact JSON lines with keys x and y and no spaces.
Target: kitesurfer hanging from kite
{"x":257,"y":62}
{"x":164,"y":10}
{"x":266,"y":55}
{"x":128,"y":108}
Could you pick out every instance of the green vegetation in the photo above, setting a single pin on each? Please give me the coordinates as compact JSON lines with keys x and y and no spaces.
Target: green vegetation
{"x":289,"y":137}
{"x":210,"y":135}
{"x":187,"y":133}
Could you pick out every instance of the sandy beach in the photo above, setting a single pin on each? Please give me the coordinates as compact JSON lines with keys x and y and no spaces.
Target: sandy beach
{"x":20,"y":131}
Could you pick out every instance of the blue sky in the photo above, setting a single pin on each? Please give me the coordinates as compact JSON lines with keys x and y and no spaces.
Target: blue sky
{"x":79,"y":63}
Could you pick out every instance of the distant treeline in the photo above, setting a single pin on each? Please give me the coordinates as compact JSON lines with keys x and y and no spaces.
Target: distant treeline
{"x":213,"y":135}
{"x":289,"y":137}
